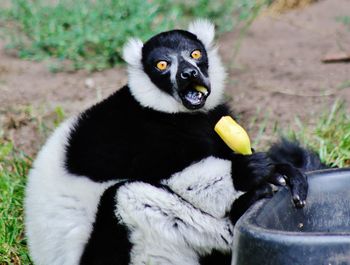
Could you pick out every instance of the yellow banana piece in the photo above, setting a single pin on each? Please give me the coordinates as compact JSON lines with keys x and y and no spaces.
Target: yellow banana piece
{"x":201,"y":89}
{"x":233,"y":135}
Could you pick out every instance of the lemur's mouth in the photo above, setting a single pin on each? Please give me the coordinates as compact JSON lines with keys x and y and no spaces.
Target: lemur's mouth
{"x":194,"y":95}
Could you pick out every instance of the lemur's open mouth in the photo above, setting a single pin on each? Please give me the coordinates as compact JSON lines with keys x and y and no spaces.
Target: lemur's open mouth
{"x":194,"y":95}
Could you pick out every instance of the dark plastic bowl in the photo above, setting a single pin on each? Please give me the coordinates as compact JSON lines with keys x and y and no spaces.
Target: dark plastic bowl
{"x":273,"y":232}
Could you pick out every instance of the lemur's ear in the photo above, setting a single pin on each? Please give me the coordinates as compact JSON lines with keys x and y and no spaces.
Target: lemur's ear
{"x":204,"y":30}
{"x":132,"y":52}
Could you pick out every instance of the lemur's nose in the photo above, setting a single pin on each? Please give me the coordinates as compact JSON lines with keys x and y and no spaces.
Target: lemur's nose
{"x":188,"y":73}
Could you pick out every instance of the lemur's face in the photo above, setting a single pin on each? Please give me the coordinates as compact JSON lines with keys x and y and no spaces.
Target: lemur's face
{"x":177,"y":63}
{"x":176,"y":71}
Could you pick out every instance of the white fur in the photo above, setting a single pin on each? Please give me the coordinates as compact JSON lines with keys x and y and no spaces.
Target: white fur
{"x":148,"y":95}
{"x":217,"y":75}
{"x":204,"y":30}
{"x":173,"y":70}
{"x":163,"y":226}
{"x":132,"y":52}
{"x":59,"y":207}
{"x":185,"y":56}
{"x":207,"y":185}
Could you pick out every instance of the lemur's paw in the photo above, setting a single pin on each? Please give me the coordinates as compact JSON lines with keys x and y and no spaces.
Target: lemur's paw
{"x":298,"y":203}
{"x":299,"y":189}
{"x":296,"y":181}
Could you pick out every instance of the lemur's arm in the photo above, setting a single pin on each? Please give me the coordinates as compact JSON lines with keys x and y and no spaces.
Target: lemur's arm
{"x":158,"y":214}
{"x":259,"y":168}
{"x":207,"y":185}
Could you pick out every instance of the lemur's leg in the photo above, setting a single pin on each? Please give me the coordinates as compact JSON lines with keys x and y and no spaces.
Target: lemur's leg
{"x":108,"y":242}
{"x":161,"y":223}
{"x":207,"y":185}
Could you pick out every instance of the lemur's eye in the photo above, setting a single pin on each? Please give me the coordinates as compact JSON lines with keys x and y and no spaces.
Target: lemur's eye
{"x":162,"y":65}
{"x":196,"y":54}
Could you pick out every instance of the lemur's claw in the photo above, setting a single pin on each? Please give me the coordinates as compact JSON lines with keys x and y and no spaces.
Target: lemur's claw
{"x":296,"y":180}
{"x":298,"y":203}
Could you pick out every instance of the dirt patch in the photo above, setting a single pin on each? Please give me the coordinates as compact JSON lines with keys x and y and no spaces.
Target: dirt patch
{"x":28,"y":89}
{"x":278,"y":71}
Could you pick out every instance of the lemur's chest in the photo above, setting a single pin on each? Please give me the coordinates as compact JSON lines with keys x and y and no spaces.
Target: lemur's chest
{"x":187,"y":134}
{"x":118,"y":139}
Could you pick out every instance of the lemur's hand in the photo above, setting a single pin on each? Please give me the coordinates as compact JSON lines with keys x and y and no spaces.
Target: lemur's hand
{"x":296,"y":180}
{"x":251,"y":171}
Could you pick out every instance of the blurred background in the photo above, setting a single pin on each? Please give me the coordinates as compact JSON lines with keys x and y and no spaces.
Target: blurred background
{"x":288,"y":64}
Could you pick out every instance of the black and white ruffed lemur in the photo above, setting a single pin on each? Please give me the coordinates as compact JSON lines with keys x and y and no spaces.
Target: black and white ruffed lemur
{"x":141,"y":177}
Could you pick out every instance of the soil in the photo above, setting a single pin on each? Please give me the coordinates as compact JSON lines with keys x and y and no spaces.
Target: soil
{"x":276,"y":73}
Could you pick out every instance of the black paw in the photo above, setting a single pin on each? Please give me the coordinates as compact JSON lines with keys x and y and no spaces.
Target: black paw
{"x":251,"y":171}
{"x":297,"y":183}
{"x":298,"y":203}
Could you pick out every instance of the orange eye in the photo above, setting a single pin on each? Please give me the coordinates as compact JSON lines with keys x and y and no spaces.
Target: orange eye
{"x":196,"y":54}
{"x":162,"y":65}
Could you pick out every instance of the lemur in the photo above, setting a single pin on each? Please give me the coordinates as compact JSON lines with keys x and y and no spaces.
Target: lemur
{"x":141,"y":177}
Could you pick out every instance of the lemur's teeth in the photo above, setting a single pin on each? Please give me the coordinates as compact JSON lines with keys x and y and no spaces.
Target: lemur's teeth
{"x":201,"y":89}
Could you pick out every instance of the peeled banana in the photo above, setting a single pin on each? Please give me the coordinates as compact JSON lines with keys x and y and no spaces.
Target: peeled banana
{"x":233,"y":135}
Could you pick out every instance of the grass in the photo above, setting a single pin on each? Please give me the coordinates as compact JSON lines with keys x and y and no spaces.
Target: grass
{"x":14,"y":165}
{"x":91,"y":36}
{"x":13,"y":170}
{"x":330,"y":138}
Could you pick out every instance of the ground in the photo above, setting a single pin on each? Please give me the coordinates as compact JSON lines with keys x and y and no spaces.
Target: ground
{"x":276,"y":73}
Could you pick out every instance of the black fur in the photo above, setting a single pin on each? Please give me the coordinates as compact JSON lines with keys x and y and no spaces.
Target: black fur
{"x":253,"y":173}
{"x":287,"y":152}
{"x":108,"y":243}
{"x":292,"y":161}
{"x":165,"y":45}
{"x":109,"y":143}
{"x":216,"y":258}
{"x":119,"y":139}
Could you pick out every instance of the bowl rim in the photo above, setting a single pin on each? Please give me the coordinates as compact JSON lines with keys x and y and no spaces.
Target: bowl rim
{"x":246,"y":225}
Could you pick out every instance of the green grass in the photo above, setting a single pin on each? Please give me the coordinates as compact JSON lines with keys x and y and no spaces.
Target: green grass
{"x":330,"y":138}
{"x":90,"y":34}
{"x":13,"y":170}
{"x":328,"y":135}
